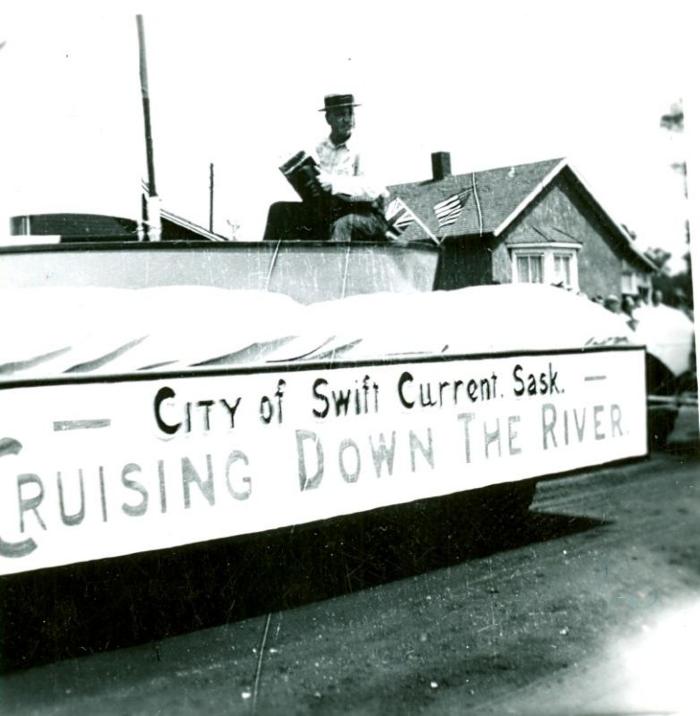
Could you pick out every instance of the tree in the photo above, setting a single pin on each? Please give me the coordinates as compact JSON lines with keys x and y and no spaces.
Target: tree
{"x":673,"y":119}
{"x":659,"y":256}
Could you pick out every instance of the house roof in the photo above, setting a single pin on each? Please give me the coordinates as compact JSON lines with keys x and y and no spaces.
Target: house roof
{"x":494,"y":199}
{"x":190,"y":226}
{"x":491,"y":196}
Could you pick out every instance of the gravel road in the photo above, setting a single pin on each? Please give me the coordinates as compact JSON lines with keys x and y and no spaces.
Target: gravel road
{"x":590,"y":606}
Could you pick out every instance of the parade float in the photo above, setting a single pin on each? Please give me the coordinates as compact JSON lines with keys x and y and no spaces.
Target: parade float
{"x":157,"y":395}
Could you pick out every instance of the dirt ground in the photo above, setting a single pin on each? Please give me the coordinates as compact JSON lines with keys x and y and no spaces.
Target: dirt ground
{"x":590,"y":606}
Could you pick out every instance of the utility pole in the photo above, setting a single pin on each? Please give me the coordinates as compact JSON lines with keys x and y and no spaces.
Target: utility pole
{"x":211,"y":197}
{"x":153,"y":224}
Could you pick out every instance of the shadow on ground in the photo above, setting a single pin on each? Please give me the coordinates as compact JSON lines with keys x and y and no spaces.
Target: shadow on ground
{"x":81,"y":609}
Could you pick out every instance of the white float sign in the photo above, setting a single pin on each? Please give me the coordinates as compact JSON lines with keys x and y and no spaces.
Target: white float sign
{"x":104,"y":467}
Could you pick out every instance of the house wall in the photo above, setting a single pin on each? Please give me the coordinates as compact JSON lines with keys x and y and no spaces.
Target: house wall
{"x":173,"y":232}
{"x":501,"y":264}
{"x":562,"y":214}
{"x":465,"y":262}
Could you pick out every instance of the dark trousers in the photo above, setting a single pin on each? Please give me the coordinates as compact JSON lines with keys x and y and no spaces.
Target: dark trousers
{"x":294,"y":220}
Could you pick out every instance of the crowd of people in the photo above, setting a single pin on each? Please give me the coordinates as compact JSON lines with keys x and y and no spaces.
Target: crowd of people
{"x":631,"y":305}
{"x":664,"y":323}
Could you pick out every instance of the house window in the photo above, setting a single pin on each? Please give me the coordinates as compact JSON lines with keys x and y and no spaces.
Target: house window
{"x":628,"y":283}
{"x":530,"y":268}
{"x":562,"y":269}
{"x":546,"y":264}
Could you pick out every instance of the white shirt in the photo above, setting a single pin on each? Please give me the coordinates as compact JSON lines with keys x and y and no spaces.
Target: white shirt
{"x":342,"y":163}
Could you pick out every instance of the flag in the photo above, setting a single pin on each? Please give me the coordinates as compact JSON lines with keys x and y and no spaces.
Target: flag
{"x":400,"y":216}
{"x":448,"y":210}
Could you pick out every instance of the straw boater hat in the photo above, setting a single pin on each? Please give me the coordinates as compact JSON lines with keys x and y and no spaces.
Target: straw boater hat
{"x":335,"y":101}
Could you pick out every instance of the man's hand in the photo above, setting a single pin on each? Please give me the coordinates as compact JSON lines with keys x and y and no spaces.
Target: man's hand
{"x":324,"y":180}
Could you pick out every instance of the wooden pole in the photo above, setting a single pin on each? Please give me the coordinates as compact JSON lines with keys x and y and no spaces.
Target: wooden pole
{"x":211,"y":197}
{"x":153,"y":228}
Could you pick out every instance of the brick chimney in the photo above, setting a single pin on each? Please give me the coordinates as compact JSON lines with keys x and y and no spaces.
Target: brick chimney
{"x":441,"y":165}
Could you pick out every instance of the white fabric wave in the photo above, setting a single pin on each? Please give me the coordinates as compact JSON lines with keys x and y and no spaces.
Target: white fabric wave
{"x":53,"y":331}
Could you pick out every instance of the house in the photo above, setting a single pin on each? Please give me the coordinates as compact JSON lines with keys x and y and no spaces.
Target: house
{"x":66,"y":227}
{"x":536,"y":223}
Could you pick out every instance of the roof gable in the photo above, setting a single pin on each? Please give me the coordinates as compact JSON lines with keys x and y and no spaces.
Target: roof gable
{"x":631,"y":251}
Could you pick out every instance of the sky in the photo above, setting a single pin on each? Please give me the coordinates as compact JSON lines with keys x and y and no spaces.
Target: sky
{"x":238,"y":85}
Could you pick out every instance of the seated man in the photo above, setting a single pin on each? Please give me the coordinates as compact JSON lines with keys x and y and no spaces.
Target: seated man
{"x":349,"y":205}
